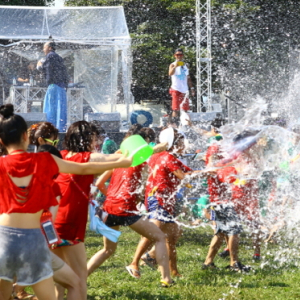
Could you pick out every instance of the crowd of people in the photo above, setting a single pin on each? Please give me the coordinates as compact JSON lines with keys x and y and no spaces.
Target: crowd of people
{"x":51,"y":186}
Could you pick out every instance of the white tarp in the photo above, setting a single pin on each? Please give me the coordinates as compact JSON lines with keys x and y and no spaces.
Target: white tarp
{"x":95,"y":39}
{"x":96,"y":25}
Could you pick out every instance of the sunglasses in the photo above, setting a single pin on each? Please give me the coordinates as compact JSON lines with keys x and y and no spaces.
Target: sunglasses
{"x":179,"y":54}
{"x":53,"y":143}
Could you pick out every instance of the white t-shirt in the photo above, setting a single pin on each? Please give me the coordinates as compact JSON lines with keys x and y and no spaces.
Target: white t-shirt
{"x":179,"y":79}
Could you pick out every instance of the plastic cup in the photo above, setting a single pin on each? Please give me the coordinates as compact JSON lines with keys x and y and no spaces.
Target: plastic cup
{"x":137,"y":148}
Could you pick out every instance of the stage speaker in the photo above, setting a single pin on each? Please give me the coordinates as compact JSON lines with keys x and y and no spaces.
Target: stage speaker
{"x":33,"y":117}
{"x":110,"y":122}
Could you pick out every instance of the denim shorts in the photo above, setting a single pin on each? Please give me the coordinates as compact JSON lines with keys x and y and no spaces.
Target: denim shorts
{"x":24,"y":256}
{"x":113,"y":220}
{"x":227,"y":220}
{"x":157,"y":212}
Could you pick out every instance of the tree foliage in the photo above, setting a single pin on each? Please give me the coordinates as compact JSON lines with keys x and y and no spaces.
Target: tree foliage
{"x":23,"y":2}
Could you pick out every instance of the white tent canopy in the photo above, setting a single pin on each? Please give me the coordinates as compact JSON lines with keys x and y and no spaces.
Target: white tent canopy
{"x":96,"y":39}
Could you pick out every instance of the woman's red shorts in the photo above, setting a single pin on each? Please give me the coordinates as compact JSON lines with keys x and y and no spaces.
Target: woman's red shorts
{"x":179,"y":101}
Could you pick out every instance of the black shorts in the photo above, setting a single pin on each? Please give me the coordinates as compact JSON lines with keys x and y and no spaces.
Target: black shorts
{"x":113,"y":220}
{"x":227,"y":220}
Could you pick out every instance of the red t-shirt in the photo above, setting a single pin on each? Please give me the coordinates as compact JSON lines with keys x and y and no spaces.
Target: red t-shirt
{"x":215,"y":150}
{"x":38,"y":194}
{"x":245,"y":199}
{"x":123,"y":191}
{"x":162,"y":165}
{"x":219,"y":184}
{"x":56,"y":189}
{"x":72,"y":214}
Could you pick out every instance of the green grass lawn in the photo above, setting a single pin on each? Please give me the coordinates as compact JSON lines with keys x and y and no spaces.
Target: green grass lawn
{"x":268,"y":280}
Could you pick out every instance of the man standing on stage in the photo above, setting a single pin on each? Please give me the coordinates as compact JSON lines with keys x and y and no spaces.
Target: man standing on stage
{"x":181,"y":82}
{"x":55,"y":72}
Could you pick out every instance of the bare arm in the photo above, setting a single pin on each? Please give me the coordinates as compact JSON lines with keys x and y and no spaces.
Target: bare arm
{"x":23,"y":80}
{"x":100,"y":183}
{"x":91,"y":168}
{"x":172,"y":68}
{"x":99,"y":157}
{"x":180,"y":174}
{"x":160,"y":147}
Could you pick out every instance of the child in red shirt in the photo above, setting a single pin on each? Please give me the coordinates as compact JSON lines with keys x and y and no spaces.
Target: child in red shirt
{"x":122,"y":196}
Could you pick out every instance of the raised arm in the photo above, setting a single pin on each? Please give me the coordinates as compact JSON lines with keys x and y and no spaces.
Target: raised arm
{"x":99,"y":157}
{"x":172,"y":68}
{"x":91,"y":168}
{"x":160,"y":147}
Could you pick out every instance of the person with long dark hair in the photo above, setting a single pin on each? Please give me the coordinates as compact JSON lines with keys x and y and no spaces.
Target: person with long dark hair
{"x":26,"y":191}
{"x":43,"y":133}
{"x":123,"y":194}
{"x":72,"y":214}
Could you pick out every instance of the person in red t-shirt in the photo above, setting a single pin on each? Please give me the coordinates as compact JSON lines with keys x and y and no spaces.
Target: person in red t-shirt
{"x":166,"y":173}
{"x":122,"y":196}
{"x":222,"y":212}
{"x":72,"y":214}
{"x":24,"y":177}
{"x":245,"y":192}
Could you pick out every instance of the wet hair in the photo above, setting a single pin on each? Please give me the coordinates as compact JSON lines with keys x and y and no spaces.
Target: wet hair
{"x":244,"y":134}
{"x":49,"y":148}
{"x":149,"y":133}
{"x":280,"y":122}
{"x":296,"y":128}
{"x":217,"y":122}
{"x":79,"y":137}
{"x":135,"y":129}
{"x":45,"y":130}
{"x":12,"y":126}
{"x":177,"y":137}
{"x":3,"y":150}
{"x":96,"y":126}
{"x":269,"y":121}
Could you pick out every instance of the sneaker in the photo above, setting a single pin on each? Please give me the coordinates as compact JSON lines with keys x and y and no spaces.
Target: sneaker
{"x":224,"y":253}
{"x":238,"y":267}
{"x":211,"y":266}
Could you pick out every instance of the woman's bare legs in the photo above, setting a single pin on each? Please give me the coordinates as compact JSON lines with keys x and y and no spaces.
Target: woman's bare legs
{"x":214,"y":247}
{"x":101,"y":256}
{"x":44,"y":290}
{"x":75,"y":257}
{"x":173,"y":232}
{"x":151,"y":234}
{"x":68,"y":279}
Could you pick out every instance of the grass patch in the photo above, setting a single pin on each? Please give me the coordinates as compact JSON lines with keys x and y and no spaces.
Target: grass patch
{"x":270,"y":280}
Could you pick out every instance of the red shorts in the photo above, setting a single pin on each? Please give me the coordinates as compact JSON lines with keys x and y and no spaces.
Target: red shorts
{"x":179,"y":101}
